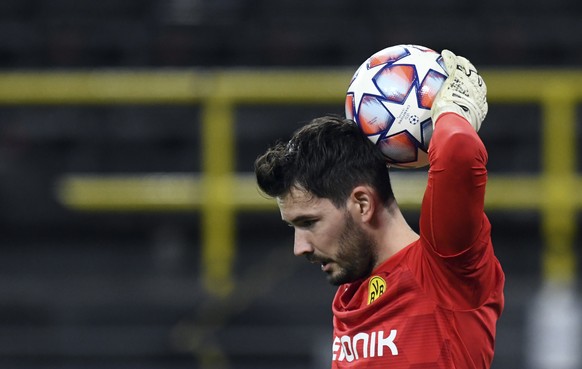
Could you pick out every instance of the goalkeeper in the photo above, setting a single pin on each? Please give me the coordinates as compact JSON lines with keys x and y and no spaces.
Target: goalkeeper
{"x":405,"y":300}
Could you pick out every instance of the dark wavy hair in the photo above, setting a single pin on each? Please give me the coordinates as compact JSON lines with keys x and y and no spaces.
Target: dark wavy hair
{"x":328,"y":157}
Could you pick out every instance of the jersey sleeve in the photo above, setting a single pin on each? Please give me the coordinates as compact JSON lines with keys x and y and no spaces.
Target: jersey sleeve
{"x":459,"y":268}
{"x":453,"y":203}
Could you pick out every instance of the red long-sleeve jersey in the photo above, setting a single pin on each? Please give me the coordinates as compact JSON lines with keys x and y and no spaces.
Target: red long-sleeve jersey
{"x":434,"y":304}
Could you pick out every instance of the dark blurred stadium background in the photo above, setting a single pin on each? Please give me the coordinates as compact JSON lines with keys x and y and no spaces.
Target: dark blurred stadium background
{"x":122,"y":288}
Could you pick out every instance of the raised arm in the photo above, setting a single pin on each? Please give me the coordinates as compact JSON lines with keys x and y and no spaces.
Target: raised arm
{"x":452,"y":208}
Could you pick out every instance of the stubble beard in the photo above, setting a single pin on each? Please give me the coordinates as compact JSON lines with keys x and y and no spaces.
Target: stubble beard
{"x":356,"y":256}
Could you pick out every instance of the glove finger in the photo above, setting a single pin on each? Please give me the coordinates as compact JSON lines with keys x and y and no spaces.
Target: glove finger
{"x":470,"y":71}
{"x":466,"y":64}
{"x":450,"y":60}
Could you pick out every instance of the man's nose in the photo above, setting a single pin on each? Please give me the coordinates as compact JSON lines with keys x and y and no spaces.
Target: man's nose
{"x":301,"y":245}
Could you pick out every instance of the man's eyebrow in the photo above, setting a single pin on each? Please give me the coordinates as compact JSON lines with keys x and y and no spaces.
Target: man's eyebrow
{"x":300,"y":218}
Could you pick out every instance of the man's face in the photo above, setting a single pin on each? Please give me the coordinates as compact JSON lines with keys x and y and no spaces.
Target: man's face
{"x":328,"y":236}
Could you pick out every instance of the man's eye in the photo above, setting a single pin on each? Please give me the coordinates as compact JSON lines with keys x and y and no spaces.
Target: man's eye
{"x":304,"y":223}
{"x":307,"y":223}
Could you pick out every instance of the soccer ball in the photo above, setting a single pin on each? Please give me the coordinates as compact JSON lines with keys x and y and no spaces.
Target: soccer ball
{"x":390,"y":97}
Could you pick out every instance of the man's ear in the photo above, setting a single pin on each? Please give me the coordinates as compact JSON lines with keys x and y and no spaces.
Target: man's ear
{"x":363,"y":201}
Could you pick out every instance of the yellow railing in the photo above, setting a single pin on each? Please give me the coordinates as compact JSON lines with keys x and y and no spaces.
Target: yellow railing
{"x":218,"y":193}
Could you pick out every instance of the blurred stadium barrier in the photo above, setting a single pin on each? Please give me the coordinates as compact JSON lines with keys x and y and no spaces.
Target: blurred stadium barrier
{"x":218,"y":192}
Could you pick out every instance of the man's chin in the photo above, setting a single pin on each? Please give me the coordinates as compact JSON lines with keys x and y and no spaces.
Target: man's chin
{"x":338,"y":277}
